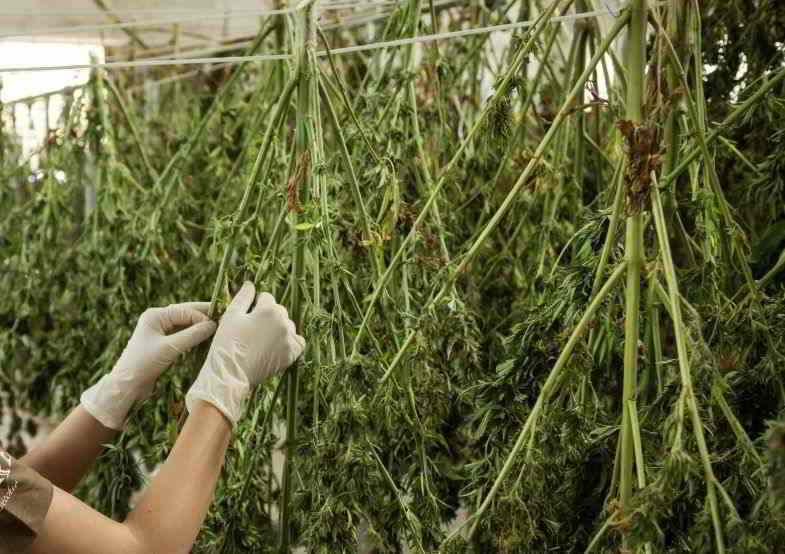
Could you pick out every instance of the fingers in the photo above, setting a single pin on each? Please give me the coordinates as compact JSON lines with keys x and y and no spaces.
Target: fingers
{"x":186,"y":339}
{"x":298,"y":346}
{"x":242,"y":300}
{"x":181,"y":315}
{"x":203,"y":307}
{"x":264,"y":301}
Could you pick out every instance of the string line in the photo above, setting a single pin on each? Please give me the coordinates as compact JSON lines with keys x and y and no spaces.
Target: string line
{"x":345,"y":23}
{"x":337,"y":51}
{"x":226,"y":14}
{"x":218,"y":12}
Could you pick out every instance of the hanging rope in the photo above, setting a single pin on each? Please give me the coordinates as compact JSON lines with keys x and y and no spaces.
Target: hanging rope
{"x":337,"y":51}
{"x":216,"y":12}
{"x":193,"y":17}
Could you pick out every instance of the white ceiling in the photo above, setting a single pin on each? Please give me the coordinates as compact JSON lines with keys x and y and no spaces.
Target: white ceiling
{"x":201,"y":21}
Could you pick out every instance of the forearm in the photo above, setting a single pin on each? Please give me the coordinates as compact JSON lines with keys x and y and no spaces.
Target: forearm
{"x":69,"y":452}
{"x":172,"y":509}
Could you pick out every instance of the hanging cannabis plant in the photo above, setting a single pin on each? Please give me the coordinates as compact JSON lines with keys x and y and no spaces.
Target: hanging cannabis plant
{"x":541,"y":282}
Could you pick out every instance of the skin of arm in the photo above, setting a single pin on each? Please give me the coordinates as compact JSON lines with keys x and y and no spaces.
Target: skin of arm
{"x":70,"y":451}
{"x":170,"y":512}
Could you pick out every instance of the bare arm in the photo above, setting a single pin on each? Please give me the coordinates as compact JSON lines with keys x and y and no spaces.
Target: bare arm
{"x":161,"y":335}
{"x":169,"y":514}
{"x":69,"y":452}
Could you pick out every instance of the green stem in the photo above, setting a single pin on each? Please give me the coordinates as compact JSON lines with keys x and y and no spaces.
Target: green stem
{"x":421,"y":163}
{"x":635,"y":61}
{"x":738,"y":429}
{"x":696,"y":110}
{"x":305,"y":145}
{"x":356,"y":192}
{"x":598,"y":537}
{"x":345,"y":97}
{"x":684,"y":364}
{"x":617,"y":209}
{"x":256,"y":452}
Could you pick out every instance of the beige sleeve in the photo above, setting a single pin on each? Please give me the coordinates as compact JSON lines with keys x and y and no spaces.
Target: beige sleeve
{"x":25,"y":497}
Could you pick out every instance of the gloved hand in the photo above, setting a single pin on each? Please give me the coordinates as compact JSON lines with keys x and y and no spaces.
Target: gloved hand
{"x":248,"y":348}
{"x":149,"y":352}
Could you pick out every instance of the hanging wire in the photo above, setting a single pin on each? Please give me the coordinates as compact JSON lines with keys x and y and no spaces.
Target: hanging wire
{"x":218,"y":12}
{"x":344,"y":23}
{"x":192,"y":52}
{"x":337,"y":51}
{"x":135,"y":24}
{"x":225,"y":14}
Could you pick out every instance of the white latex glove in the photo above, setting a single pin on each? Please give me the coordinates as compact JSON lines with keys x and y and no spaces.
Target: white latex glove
{"x":248,"y":348}
{"x":149,"y":352}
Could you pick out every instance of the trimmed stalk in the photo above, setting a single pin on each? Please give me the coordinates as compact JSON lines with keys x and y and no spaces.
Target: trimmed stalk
{"x":547,"y":391}
{"x":318,"y":186}
{"x":684,"y":365}
{"x":635,"y":53}
{"x":305,"y":34}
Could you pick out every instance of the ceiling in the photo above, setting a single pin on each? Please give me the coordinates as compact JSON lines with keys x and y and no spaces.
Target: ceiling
{"x":153,"y":24}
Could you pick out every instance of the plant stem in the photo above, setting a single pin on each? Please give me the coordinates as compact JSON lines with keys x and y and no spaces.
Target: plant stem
{"x":684,"y":364}
{"x":259,"y":431}
{"x":305,"y":144}
{"x":421,"y":163}
{"x":345,"y":97}
{"x":355,"y":188}
{"x":635,"y":61}
{"x":696,"y":110}
{"x":617,"y":209}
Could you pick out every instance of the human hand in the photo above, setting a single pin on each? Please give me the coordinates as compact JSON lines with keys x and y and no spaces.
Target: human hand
{"x":161,"y":335}
{"x":249,"y":347}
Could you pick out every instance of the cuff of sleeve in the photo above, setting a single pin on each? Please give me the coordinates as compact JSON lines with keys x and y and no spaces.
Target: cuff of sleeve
{"x":25,"y":498}
{"x":109,"y":402}
{"x":225,"y":392}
